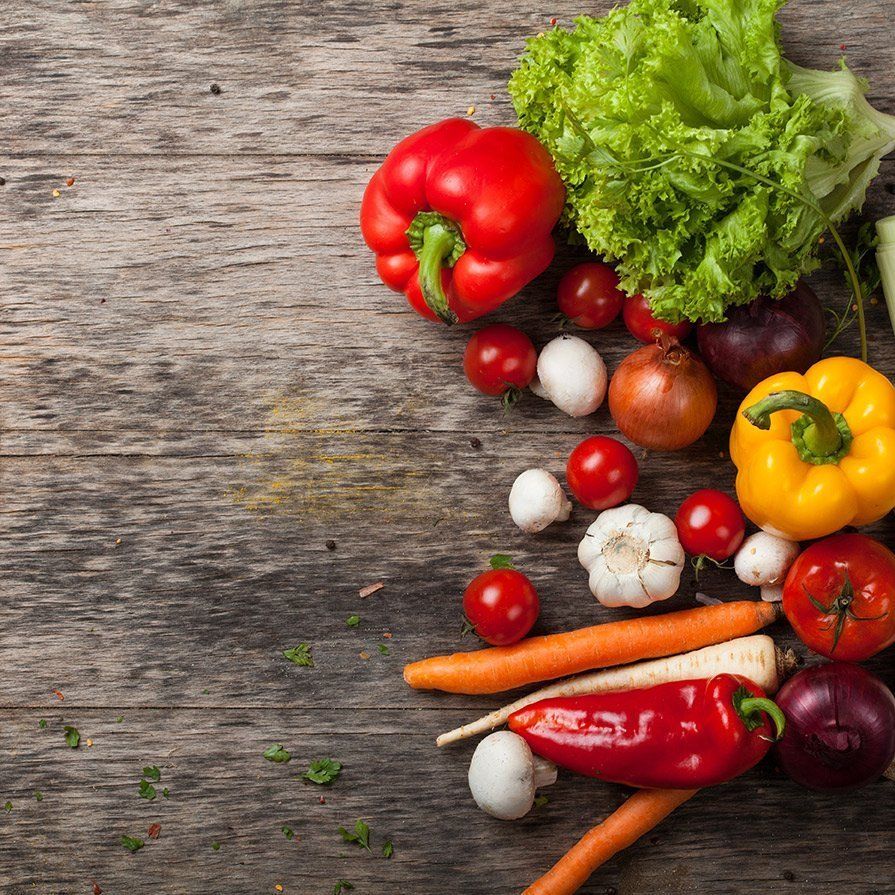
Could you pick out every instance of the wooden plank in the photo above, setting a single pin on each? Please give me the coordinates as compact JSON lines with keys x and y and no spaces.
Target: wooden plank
{"x":754,"y":832}
{"x":308,"y":77}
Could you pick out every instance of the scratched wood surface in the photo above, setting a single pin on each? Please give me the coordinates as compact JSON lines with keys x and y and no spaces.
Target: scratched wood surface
{"x":217,"y":426}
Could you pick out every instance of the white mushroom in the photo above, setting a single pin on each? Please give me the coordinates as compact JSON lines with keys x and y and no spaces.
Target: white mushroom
{"x":504,"y":775}
{"x":572,"y":375}
{"x":772,"y":593}
{"x":536,"y":500}
{"x":764,"y":559}
{"x":633,"y":556}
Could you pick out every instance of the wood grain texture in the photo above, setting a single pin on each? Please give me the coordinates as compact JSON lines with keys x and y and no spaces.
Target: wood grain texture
{"x":202,"y":383}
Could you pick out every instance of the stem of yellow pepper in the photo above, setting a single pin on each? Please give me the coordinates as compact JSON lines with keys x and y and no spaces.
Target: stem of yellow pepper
{"x":819,"y":435}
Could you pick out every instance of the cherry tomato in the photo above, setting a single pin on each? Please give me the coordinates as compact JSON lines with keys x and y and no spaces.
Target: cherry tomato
{"x":839,"y":596}
{"x":709,"y":523}
{"x":499,"y":358}
{"x":643,"y":326}
{"x":601,"y":472}
{"x":589,"y":295}
{"x":501,"y":604}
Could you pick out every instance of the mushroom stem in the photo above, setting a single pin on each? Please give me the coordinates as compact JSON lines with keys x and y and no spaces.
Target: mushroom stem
{"x":545,"y":772}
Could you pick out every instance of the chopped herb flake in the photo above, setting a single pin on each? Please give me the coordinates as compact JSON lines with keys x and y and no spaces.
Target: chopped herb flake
{"x":152,"y":773}
{"x":39,"y":796}
{"x":501,"y":561}
{"x":42,"y":724}
{"x":215,"y":846}
{"x":300,"y":655}
{"x":353,"y":621}
{"x":72,"y":736}
{"x":323,"y":771}
{"x":288,"y":832}
{"x":277,"y":753}
{"x":132,"y":843}
{"x":360,"y":836}
{"x":147,"y":790}
{"x":388,"y":849}
{"x":7,"y":807}
{"x":165,"y":792}
{"x":540,"y":801}
{"x":342,"y":886}
{"x":119,"y":719}
{"x":383,"y":649}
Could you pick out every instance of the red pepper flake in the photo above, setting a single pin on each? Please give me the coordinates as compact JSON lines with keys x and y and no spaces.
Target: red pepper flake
{"x":322,"y":800}
{"x":387,"y":635}
{"x":70,"y":181}
{"x":154,"y":830}
{"x":370,"y":589}
{"x":553,"y":20}
{"x":843,"y":47}
{"x":58,"y":695}
{"x":97,"y":890}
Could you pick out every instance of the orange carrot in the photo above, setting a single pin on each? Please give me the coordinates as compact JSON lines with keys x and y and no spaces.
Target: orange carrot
{"x":637,"y":816}
{"x":556,"y":655}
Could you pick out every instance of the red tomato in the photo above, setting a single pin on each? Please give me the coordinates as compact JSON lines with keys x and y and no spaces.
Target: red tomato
{"x":839,"y":596}
{"x":601,"y":472}
{"x":709,"y":523}
{"x":499,"y":358}
{"x":501,"y":604}
{"x":589,"y":295}
{"x":643,"y":326}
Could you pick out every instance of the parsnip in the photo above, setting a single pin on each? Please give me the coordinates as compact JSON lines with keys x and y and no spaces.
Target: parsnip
{"x":755,"y":657}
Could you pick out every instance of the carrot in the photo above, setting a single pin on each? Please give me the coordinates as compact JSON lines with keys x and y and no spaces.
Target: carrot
{"x":755,"y":657}
{"x":637,"y":816}
{"x":556,"y":655}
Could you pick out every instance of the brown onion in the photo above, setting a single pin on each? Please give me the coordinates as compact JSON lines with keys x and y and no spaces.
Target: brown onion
{"x":662,"y":396}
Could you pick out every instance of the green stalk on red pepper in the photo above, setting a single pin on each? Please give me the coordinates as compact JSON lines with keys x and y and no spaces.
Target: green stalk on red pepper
{"x":679,"y":735}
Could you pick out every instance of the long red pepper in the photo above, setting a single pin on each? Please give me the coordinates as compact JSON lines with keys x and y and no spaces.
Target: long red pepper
{"x":679,"y":735}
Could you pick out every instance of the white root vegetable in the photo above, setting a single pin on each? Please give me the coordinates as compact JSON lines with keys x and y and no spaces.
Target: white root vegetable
{"x":633,"y":557}
{"x":764,"y":559}
{"x":536,"y":500}
{"x":504,"y":774}
{"x":755,"y":657}
{"x":572,"y":375}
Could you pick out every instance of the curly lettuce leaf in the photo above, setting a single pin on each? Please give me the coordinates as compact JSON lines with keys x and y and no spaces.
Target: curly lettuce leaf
{"x":694,"y":155}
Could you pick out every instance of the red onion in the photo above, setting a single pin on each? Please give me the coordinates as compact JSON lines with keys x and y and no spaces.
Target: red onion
{"x":840,"y":727}
{"x":662,"y":396}
{"x":764,"y":338}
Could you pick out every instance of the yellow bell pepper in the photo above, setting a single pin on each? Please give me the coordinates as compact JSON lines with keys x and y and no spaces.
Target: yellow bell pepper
{"x":816,"y":452}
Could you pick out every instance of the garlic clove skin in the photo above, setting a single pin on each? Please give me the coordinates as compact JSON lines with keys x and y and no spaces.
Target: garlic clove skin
{"x":633,"y":557}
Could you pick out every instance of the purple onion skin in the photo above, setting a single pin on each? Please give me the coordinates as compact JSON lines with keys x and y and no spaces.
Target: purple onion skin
{"x":840,"y":727}
{"x":765,"y":337}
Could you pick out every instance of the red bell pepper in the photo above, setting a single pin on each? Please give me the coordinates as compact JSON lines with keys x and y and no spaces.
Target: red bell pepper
{"x":460,"y":217}
{"x":679,"y":735}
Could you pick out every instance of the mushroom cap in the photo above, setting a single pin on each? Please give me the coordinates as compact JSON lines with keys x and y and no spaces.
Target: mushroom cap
{"x":572,"y":374}
{"x":764,"y":559}
{"x":503,"y":777}
{"x":537,"y":499}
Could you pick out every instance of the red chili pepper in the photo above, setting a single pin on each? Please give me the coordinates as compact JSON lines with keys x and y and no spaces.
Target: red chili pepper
{"x":460,"y":217}
{"x":679,"y":735}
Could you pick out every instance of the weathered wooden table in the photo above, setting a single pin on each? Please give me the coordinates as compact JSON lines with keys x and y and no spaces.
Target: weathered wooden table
{"x":217,"y":426}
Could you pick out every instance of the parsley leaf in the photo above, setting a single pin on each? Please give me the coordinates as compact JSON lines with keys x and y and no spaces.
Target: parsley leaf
{"x":323,"y":771}
{"x":72,"y":736}
{"x":288,"y":832}
{"x":132,"y":843}
{"x":39,"y":795}
{"x":215,"y":846}
{"x":165,"y":792}
{"x":147,"y":790}
{"x":360,"y":836}
{"x":277,"y":753}
{"x":42,"y":724}
{"x":342,"y":885}
{"x":119,"y":719}
{"x":383,"y":649}
{"x":300,"y":655}
{"x":7,"y":807}
{"x":152,"y":773}
{"x":352,"y":621}
{"x":388,"y":849}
